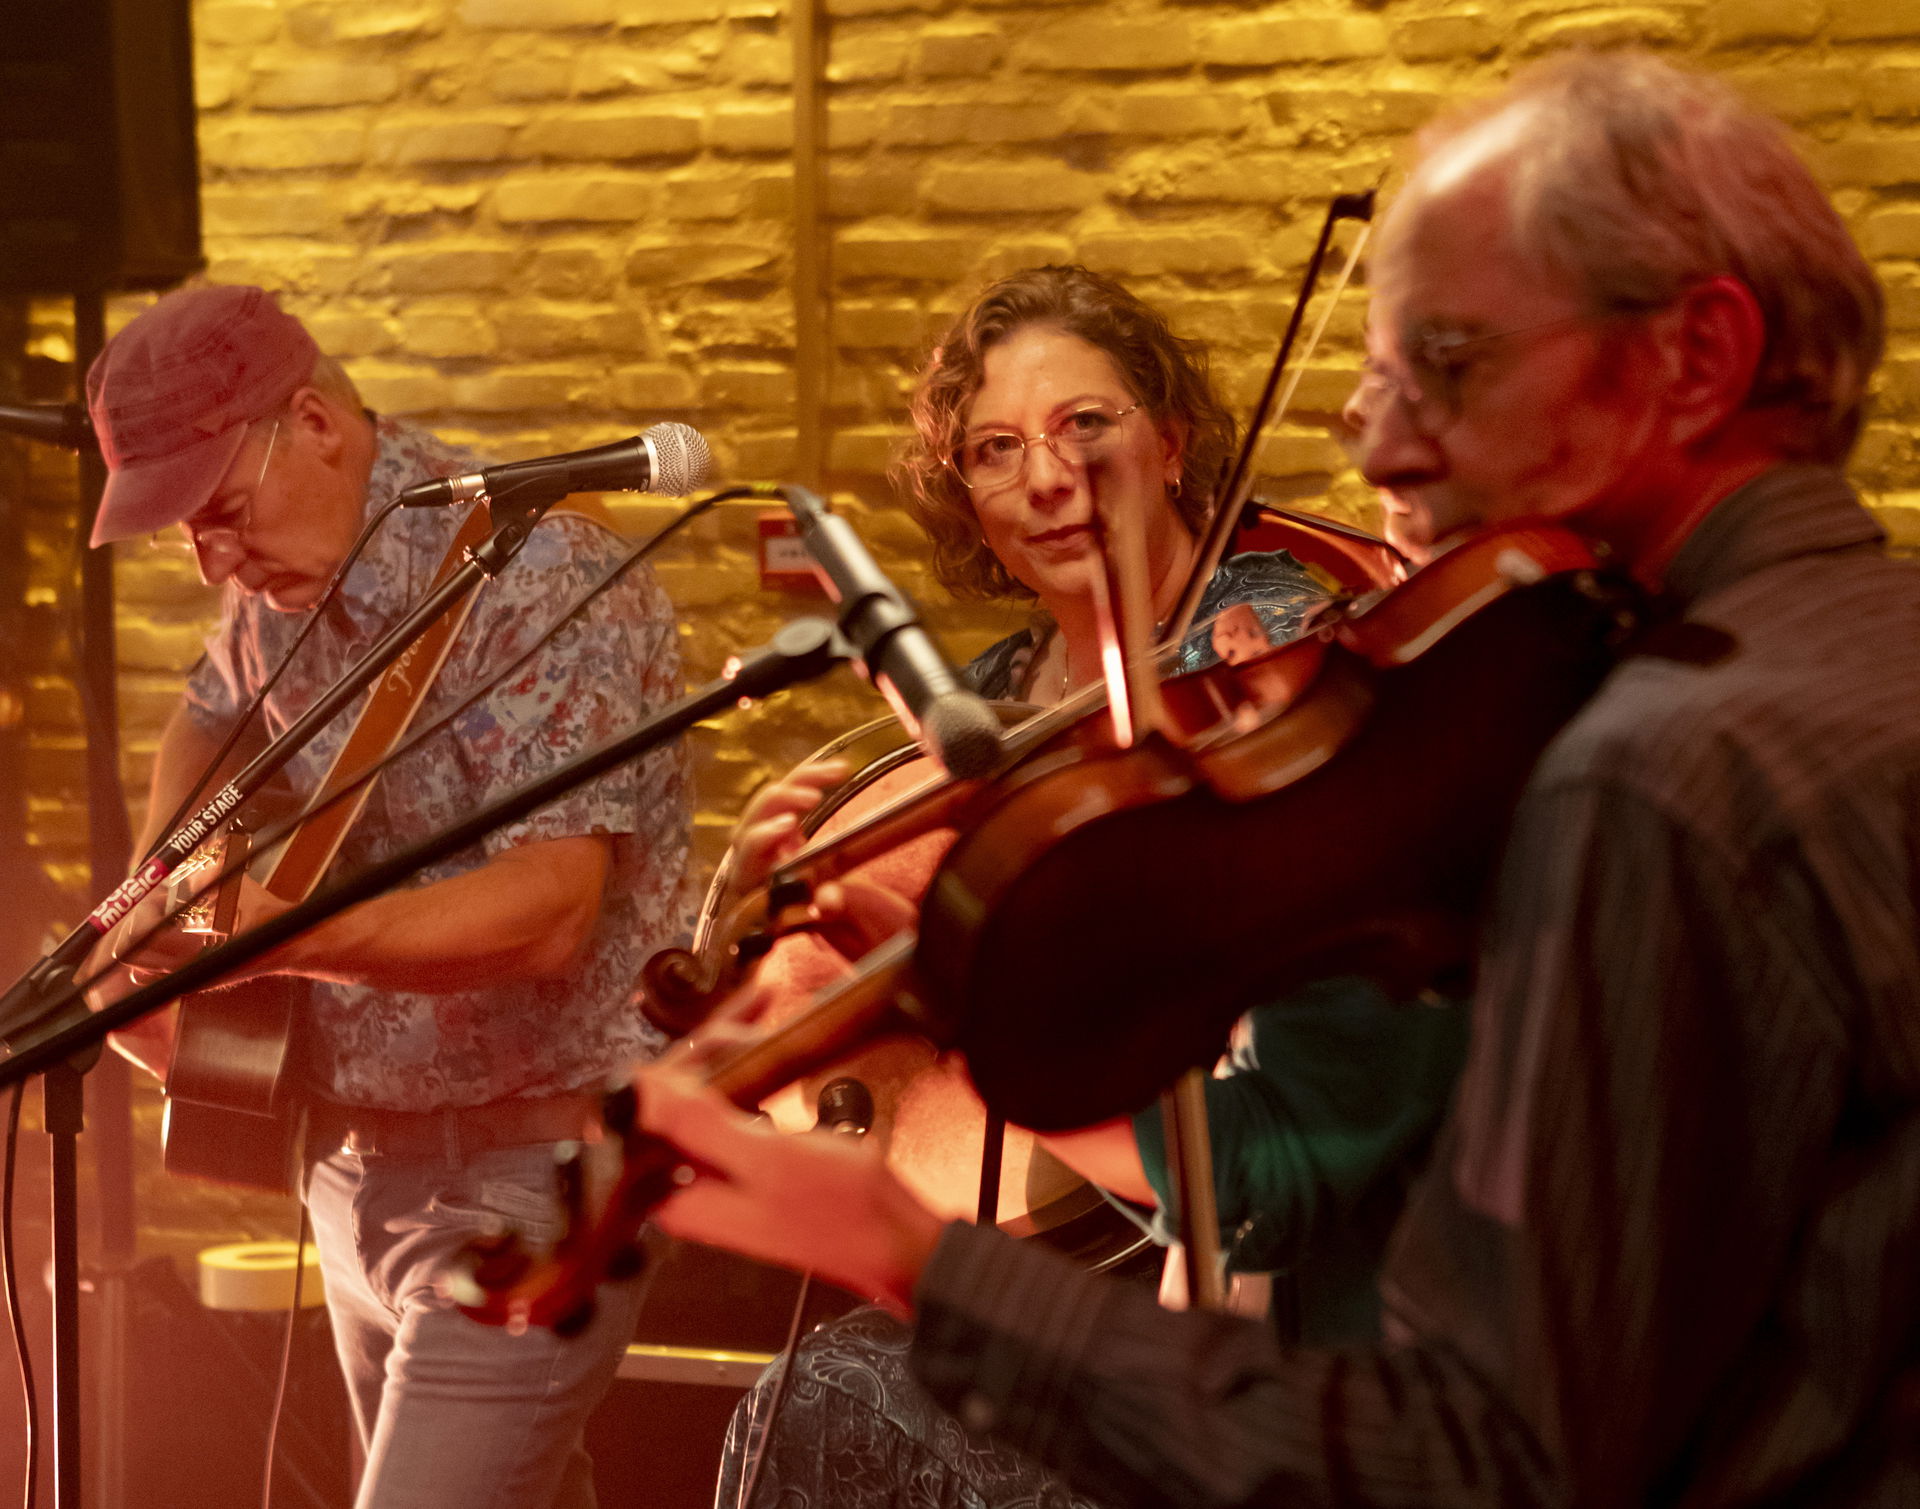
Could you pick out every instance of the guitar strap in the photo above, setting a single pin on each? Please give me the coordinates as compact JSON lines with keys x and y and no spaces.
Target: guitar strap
{"x":390,"y":709}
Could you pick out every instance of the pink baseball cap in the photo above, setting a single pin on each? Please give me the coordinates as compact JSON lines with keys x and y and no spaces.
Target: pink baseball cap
{"x":172,"y":395}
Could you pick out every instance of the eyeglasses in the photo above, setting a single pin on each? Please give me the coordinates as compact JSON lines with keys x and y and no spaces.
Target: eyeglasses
{"x":1429,"y":384}
{"x":222,"y":538}
{"x":998,"y":458}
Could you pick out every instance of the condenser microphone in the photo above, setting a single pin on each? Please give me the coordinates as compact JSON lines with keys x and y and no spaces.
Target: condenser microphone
{"x":953,"y":724}
{"x":669,"y":458}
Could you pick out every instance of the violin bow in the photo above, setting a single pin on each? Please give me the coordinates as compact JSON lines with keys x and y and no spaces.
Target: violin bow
{"x":1271,"y":407}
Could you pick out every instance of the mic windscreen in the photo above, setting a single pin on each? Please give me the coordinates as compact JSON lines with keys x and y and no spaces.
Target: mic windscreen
{"x":965,"y":731}
{"x":683,"y":457}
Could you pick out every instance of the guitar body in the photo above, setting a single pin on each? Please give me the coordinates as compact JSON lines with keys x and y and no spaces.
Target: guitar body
{"x":232,"y":1113}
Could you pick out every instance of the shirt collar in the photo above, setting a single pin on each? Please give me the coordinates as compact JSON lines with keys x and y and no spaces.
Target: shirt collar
{"x":1788,"y":512}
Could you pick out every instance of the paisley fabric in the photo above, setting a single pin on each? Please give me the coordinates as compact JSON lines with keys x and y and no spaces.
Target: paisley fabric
{"x":856,"y":1432}
{"x":594,"y":680}
{"x":1279,"y":590}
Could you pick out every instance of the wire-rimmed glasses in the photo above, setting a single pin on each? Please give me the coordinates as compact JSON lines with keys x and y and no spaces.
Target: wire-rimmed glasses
{"x":218,"y":540}
{"x":998,"y":458}
{"x":1428,"y":381}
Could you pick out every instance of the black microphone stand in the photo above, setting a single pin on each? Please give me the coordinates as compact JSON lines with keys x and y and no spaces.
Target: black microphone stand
{"x":804,"y":649}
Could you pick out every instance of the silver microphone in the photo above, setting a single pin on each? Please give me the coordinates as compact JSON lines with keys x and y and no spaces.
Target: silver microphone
{"x":669,"y":458}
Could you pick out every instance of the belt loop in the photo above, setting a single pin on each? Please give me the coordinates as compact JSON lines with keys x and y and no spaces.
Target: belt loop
{"x":450,"y":1136}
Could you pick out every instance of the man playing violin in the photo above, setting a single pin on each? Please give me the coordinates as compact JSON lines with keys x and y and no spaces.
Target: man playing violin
{"x":1667,"y":1249}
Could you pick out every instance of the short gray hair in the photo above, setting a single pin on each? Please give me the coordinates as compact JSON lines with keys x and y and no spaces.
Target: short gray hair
{"x":1633,"y":181}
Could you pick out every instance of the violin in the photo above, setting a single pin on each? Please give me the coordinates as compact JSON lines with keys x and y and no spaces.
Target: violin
{"x":1332,"y":807}
{"x":683,"y":986}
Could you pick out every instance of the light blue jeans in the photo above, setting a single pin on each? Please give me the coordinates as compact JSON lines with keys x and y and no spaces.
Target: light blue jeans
{"x":453,"y":1414}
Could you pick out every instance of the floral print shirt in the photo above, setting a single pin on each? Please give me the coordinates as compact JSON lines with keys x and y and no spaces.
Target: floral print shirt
{"x":417,"y":1051}
{"x":1277,"y":590}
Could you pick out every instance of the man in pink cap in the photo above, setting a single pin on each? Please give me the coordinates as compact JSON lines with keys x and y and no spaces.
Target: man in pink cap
{"x":454,"y":1030}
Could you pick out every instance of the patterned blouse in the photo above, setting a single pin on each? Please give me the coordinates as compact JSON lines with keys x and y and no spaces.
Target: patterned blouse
{"x":1274,"y":586}
{"x":403,"y":1050}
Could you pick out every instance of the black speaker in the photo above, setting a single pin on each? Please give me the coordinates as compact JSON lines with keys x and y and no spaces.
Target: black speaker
{"x":99,"y":176}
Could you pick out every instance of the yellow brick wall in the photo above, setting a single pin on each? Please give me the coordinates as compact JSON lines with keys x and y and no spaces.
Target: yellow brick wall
{"x":539,"y":224}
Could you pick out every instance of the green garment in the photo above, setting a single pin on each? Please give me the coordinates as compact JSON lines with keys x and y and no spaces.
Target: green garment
{"x":1317,"y":1134}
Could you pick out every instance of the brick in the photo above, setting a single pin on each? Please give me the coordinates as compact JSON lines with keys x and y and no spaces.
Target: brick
{"x":1144,"y":253}
{"x":1741,"y":23}
{"x":1893,"y":92}
{"x":881,"y":189}
{"x":1892,"y":233}
{"x":1897,"y":388}
{"x":214,"y":84}
{"x":903,"y":255}
{"x":1286,"y":455}
{"x":1010,"y":253}
{"x":350,"y":335}
{"x":409,"y":199}
{"x":939,"y":124}
{"x":1260,"y":41}
{"x":895,"y":324}
{"x":1874,"y":20}
{"x":1010,"y":188}
{"x":618,"y":69}
{"x":316,"y":85}
{"x":571,"y":272}
{"x":539,"y":15}
{"x":1799,"y":95}
{"x":751,"y":128}
{"x":237,"y":23}
{"x":543,"y":331}
{"x":1903,"y":306}
{"x":1869,"y":164}
{"x":1165,"y":113}
{"x":255,"y":146}
{"x":380,"y":23}
{"x":1089,"y":44}
{"x":524,"y":201}
{"x":678,"y":261}
{"x":671,"y":12}
{"x":447,"y":334}
{"x":956,"y":54}
{"x":530,"y":79}
{"x":865,"y":59}
{"x":881,"y":7}
{"x":851,"y":125}
{"x":1603,"y":29}
{"x":445,"y":269}
{"x":1899,"y":515}
{"x":279,"y":211}
{"x":407,"y":142}
{"x":761,"y":386}
{"x":1249,"y":178}
{"x":292,"y":265}
{"x":505,"y":389}
{"x":1352,"y":113}
{"x":652,"y":388}
{"x":652,"y":133}
{"x":1437,"y":39}
{"x":755,"y":62}
{"x":863,"y":448}
{"x":768,"y":455}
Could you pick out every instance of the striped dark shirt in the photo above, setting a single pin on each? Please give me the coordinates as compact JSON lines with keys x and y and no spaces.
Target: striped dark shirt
{"x":1669,"y":1251}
